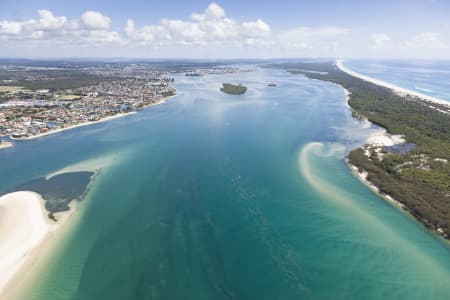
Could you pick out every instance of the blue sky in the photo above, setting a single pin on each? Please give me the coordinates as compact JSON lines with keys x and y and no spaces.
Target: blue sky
{"x":415,"y":28}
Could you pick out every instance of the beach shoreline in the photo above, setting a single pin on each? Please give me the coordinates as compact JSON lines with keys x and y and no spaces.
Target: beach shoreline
{"x":362,"y":176}
{"x":24,"y":229}
{"x":6,"y":145}
{"x":381,"y":139}
{"x":20,"y":273}
{"x":378,"y":140}
{"x":396,"y":89}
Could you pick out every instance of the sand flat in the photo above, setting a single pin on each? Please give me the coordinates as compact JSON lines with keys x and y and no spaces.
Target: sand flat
{"x":23,"y":227}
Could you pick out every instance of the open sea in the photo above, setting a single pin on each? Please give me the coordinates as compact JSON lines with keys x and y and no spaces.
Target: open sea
{"x":431,"y":78}
{"x":213,"y":196}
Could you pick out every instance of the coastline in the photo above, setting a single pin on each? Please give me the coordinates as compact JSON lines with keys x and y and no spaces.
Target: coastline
{"x":396,"y":89}
{"x":42,"y":239}
{"x":6,"y":145}
{"x":362,"y":175}
{"x":108,"y":118}
{"x":24,"y":229}
{"x":380,"y":139}
{"x":28,"y":236}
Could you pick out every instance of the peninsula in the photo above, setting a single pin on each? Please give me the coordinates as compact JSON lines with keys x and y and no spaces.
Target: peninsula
{"x":410,"y":163}
{"x":233,"y":89}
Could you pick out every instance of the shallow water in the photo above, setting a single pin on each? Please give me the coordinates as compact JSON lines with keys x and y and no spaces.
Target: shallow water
{"x":60,"y":190}
{"x":213,"y":196}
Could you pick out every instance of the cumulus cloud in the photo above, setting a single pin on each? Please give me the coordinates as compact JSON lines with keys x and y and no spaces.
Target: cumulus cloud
{"x":129,"y":28}
{"x":10,"y":28}
{"x":95,"y":20}
{"x":91,"y":27}
{"x":425,"y":40}
{"x":323,"y":38}
{"x":211,"y":32}
{"x":210,"y":27}
{"x":380,"y":40}
{"x":46,"y":22}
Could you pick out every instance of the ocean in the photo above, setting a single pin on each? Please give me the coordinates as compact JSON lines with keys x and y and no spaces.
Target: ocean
{"x":214,"y":196}
{"x":431,"y":78}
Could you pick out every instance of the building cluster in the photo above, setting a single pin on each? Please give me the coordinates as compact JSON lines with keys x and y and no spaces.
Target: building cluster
{"x":45,"y":111}
{"x":216,"y":71}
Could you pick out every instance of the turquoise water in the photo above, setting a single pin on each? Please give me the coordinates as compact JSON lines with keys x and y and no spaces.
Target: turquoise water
{"x":431,"y":78}
{"x":213,"y":196}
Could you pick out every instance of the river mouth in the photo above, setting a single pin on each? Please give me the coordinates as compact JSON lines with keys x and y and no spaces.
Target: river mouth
{"x":229,"y":198}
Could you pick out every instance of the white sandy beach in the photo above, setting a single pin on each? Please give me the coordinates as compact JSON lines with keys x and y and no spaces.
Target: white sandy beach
{"x":382,"y":138}
{"x":362,"y":176}
{"x":76,"y":126}
{"x":26,"y":232}
{"x":23,"y":227}
{"x":396,"y":89}
{"x":6,"y":145}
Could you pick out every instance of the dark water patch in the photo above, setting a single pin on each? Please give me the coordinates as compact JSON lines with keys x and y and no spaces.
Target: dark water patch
{"x":59,"y":190}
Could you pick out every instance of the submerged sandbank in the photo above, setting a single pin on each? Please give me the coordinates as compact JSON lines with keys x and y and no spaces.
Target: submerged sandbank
{"x":27,"y":231}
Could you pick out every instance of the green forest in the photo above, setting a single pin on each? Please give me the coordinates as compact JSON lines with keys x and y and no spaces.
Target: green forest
{"x":419,"y":179}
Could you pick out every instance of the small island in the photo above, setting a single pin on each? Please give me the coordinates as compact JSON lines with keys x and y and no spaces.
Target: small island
{"x":272,"y":84}
{"x":233,"y":89}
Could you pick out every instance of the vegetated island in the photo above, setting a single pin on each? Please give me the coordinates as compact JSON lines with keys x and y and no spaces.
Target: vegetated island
{"x":233,"y":89}
{"x":416,"y":172}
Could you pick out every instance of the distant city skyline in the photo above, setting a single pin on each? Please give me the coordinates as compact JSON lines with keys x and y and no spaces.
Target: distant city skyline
{"x":225,"y":29}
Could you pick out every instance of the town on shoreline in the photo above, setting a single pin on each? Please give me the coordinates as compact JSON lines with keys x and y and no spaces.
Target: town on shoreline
{"x":43,"y":98}
{"x":27,"y":112}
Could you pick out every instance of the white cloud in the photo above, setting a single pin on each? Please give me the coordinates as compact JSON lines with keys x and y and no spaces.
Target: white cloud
{"x":210,"y":33}
{"x":48,"y":21}
{"x":129,"y":28}
{"x":102,"y":36}
{"x":95,"y":20}
{"x":214,"y":11}
{"x":425,"y":40}
{"x":211,"y":27}
{"x":255,"y":29}
{"x":319,"y":38}
{"x":9,"y":28}
{"x":380,"y":40}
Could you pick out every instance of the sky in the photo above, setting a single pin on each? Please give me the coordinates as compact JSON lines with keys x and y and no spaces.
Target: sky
{"x":225,"y":29}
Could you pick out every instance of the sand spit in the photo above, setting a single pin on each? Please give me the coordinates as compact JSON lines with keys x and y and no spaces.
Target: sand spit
{"x":24,"y":225}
